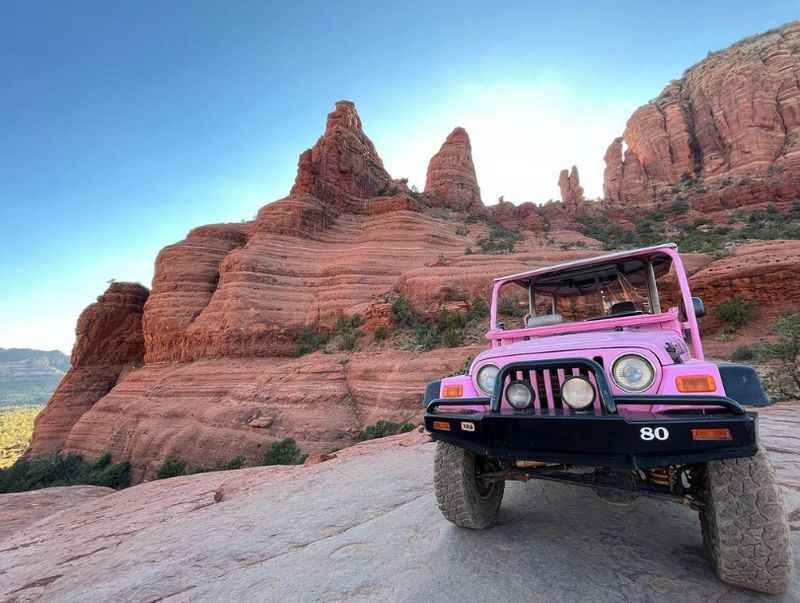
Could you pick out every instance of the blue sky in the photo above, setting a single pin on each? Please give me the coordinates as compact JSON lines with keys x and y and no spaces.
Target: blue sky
{"x":125,"y":124}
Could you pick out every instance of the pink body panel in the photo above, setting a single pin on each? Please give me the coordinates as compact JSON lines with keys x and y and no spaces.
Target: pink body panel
{"x":648,"y":335}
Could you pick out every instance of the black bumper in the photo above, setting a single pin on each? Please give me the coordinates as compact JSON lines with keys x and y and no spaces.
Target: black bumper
{"x":605,"y":440}
{"x":631,"y":437}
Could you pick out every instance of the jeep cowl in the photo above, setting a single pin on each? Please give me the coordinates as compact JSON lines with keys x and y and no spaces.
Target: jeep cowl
{"x":596,"y":377}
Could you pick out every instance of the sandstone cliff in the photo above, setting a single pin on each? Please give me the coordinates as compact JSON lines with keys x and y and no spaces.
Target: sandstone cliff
{"x":571,"y":190}
{"x":109,"y":342}
{"x":451,"y":178}
{"x":727,"y":133}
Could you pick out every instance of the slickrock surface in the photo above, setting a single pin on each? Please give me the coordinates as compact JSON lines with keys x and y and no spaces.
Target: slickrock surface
{"x":19,"y":510}
{"x":732,"y":120}
{"x":312,"y":534}
{"x":451,"y":176}
{"x":109,"y":341}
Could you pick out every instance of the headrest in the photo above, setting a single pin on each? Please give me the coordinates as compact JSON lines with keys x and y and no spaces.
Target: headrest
{"x":623,"y":307}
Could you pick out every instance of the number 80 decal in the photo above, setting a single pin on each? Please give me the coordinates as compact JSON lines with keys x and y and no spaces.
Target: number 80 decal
{"x":657,"y":433}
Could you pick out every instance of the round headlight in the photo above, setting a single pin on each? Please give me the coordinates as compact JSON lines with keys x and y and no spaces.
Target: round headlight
{"x":486,"y":378}
{"x":633,"y":373}
{"x":519,"y":395}
{"x":577,"y":392}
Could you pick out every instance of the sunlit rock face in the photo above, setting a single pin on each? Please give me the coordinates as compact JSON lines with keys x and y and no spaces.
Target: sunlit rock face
{"x":109,"y":342}
{"x":343,"y":168}
{"x":732,"y":120}
{"x":451,"y":181}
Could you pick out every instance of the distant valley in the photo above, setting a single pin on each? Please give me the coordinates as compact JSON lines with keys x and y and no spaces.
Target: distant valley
{"x":30,"y":376}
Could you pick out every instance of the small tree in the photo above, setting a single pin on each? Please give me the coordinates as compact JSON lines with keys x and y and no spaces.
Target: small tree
{"x":284,"y":452}
{"x":736,"y":311}
{"x":173,"y":466}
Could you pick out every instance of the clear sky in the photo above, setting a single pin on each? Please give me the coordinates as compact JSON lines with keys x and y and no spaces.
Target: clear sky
{"x":125,"y":124}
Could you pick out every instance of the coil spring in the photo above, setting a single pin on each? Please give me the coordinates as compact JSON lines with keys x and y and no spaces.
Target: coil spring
{"x":661,"y":476}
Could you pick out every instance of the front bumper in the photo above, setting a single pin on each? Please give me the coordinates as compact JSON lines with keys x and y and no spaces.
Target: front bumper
{"x":623,"y":433}
{"x":603,"y":440}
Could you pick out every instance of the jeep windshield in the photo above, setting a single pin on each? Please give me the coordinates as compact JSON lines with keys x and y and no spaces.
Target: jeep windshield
{"x":613,"y":289}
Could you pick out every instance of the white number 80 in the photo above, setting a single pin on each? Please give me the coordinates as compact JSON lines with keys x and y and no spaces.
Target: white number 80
{"x":649,"y":433}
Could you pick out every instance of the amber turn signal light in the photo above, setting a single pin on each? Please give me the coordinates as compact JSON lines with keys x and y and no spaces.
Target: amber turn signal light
{"x":441,"y":425}
{"x":453,"y":391}
{"x":692,"y":384}
{"x":711,"y":434}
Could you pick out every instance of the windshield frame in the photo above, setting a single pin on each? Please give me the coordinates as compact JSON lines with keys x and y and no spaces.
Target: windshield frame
{"x":688,"y":328}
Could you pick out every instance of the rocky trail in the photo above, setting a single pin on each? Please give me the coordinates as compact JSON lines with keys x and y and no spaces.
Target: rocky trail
{"x":364,"y":527}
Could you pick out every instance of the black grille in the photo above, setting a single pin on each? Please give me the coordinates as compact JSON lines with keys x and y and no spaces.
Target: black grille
{"x":546,"y":384}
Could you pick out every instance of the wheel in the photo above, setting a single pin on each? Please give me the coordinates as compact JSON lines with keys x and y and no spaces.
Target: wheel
{"x":463,"y":497}
{"x":745,"y":530}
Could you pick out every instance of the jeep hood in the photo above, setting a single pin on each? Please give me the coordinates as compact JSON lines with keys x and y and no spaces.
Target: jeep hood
{"x":584,"y":344}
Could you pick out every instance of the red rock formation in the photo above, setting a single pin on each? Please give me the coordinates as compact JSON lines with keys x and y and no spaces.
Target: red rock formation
{"x":343,"y":168}
{"x":571,"y":190}
{"x":109,"y":341}
{"x":451,"y":180}
{"x":187,"y":274}
{"x":612,"y":177}
{"x":735,"y":113}
{"x":211,"y":411}
{"x":218,"y":331}
{"x":525,"y":216}
{"x":766,"y":271}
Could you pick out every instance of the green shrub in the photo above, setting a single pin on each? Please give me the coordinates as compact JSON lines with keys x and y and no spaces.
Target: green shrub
{"x":743,"y":354}
{"x":679,"y":206}
{"x":784,"y":382}
{"x":344,"y":336}
{"x":509,"y":306}
{"x":235,"y":463}
{"x":102,"y":462}
{"x":57,"y":470}
{"x":309,"y":338}
{"x":426,"y":335}
{"x":736,"y":311}
{"x":404,"y":315}
{"x":468,"y":251}
{"x":347,"y":332}
{"x":116,"y":475}
{"x":448,"y":327}
{"x":382,"y":429}
{"x":453,"y":338}
{"x":284,"y":452}
{"x":478,"y":309}
{"x":500,"y":240}
{"x":173,"y":466}
{"x":611,"y":235}
{"x":462,"y":231}
{"x":381,"y":332}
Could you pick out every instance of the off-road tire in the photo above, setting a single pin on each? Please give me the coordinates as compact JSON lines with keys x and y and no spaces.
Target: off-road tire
{"x":462,"y":499}
{"x":745,"y":530}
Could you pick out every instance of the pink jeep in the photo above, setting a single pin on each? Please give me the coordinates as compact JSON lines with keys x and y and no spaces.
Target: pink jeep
{"x":602,"y":383}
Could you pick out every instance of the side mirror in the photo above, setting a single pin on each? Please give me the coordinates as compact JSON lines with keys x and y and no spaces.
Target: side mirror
{"x":699,"y":307}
